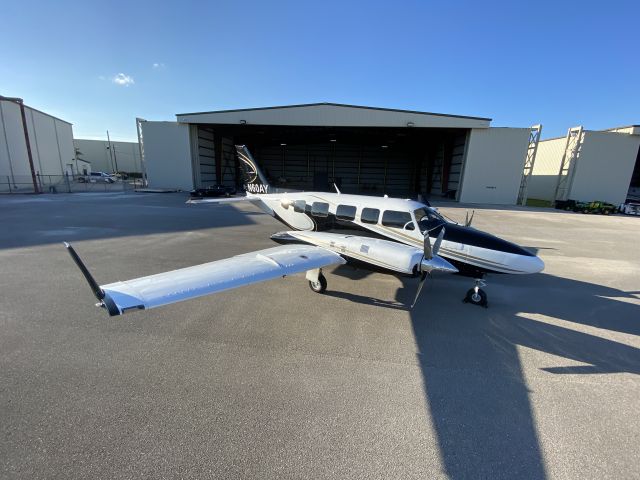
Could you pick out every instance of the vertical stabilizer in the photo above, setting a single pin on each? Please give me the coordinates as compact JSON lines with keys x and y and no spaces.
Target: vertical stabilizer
{"x":254,"y":180}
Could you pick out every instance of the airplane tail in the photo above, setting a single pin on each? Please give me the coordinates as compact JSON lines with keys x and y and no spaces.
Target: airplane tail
{"x":255,"y":181}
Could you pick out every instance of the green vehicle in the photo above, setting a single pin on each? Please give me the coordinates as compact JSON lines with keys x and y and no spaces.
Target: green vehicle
{"x":602,"y":208}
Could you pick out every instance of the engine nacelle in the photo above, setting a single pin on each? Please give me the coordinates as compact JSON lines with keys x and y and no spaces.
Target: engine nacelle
{"x":383,"y":253}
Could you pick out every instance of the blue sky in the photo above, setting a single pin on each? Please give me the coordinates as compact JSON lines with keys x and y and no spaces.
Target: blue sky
{"x":558,"y":63}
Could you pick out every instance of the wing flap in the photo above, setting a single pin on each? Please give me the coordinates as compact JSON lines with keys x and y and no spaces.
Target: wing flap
{"x":191,"y":282}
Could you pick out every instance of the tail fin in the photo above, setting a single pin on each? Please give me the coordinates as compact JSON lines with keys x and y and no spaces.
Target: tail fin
{"x":254,"y":180}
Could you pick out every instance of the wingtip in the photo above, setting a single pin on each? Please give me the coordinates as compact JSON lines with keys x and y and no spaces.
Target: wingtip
{"x":66,"y":244}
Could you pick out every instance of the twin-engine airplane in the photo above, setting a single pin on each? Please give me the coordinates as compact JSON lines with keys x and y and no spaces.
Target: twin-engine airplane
{"x":384,"y":234}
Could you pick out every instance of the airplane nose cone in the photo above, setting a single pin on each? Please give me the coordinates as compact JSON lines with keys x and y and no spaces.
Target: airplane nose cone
{"x":537,"y":265}
{"x":532,"y":264}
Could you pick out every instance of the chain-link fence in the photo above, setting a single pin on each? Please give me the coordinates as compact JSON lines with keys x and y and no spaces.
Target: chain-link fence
{"x":68,"y":183}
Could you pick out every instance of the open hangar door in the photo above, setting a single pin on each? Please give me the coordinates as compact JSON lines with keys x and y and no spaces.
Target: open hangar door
{"x":214,"y":159}
{"x":371,"y":161}
{"x":494,"y":165}
{"x":634,"y":186}
{"x":205,"y":168}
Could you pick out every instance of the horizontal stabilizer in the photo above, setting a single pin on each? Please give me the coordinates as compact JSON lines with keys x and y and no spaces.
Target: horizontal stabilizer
{"x":196,"y":201}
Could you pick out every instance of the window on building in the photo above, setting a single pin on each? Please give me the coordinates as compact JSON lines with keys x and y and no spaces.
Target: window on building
{"x":320,"y":209}
{"x":396,"y":219}
{"x":346,"y":212}
{"x":370,"y":215}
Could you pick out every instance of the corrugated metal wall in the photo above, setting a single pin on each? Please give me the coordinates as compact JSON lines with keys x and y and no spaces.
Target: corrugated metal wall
{"x":396,"y":168}
{"x":206,"y":157}
{"x":168,"y":155}
{"x":544,"y":177}
{"x":228,"y":164}
{"x":495,"y":164}
{"x":605,"y":166}
{"x":457,"y":159}
{"x":97,"y":153}
{"x":50,"y":139}
{"x":355,"y":168}
{"x":603,"y":169}
{"x":210,"y":172}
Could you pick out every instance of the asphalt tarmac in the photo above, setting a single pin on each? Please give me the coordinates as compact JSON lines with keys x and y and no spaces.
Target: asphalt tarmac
{"x":275,"y":381}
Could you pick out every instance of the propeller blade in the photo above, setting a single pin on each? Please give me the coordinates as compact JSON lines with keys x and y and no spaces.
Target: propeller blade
{"x":436,"y":245}
{"x":420,"y":285}
{"x":428,"y":253}
{"x":467,"y":222}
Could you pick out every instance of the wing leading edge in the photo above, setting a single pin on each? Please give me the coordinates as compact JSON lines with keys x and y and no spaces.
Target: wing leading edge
{"x":191,"y":282}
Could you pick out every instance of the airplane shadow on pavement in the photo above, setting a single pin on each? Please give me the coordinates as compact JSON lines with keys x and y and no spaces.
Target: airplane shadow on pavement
{"x":473,"y":377}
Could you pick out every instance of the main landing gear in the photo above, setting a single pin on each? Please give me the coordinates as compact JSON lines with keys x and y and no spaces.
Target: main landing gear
{"x":317,"y":281}
{"x":477,"y":296}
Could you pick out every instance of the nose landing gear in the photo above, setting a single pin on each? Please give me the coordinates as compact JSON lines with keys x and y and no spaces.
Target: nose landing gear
{"x":477,"y":296}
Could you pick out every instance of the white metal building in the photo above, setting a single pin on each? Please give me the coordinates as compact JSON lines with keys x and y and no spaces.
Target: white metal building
{"x":106,"y":156}
{"x":363,"y":149}
{"x":50,"y":140}
{"x":587,"y":165}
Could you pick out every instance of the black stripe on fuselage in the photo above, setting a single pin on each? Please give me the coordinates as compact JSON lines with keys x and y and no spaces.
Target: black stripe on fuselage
{"x":453,"y":233}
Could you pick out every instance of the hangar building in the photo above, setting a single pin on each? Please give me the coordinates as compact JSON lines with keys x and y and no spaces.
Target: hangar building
{"x":362,"y":149}
{"x":50,"y":143}
{"x":588,"y":165}
{"x":111,"y":157}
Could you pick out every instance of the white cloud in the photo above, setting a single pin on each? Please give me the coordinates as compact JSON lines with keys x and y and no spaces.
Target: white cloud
{"x":158,"y":66}
{"x":122,"y":79}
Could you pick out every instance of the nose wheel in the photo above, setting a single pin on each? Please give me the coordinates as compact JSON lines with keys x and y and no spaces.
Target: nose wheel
{"x":477,"y":296}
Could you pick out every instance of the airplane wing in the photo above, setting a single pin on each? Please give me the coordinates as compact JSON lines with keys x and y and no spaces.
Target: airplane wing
{"x":191,"y":282}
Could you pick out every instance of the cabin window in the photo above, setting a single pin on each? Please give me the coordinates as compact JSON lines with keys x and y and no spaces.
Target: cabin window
{"x":370,"y":215}
{"x":320,"y":209}
{"x":396,"y":219}
{"x":346,"y":212}
{"x":298,"y":206}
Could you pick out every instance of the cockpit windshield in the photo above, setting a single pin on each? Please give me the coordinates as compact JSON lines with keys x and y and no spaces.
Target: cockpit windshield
{"x":428,"y":219}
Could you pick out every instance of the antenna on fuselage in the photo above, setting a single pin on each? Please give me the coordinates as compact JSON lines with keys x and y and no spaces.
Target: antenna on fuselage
{"x":336,"y":187}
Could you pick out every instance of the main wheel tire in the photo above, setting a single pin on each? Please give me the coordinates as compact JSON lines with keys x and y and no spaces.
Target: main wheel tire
{"x":474,"y":298}
{"x":320,"y":286}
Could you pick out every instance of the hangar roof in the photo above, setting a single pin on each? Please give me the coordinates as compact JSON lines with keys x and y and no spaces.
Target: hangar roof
{"x":630,"y":129}
{"x":334,"y":115}
{"x":12,"y":100}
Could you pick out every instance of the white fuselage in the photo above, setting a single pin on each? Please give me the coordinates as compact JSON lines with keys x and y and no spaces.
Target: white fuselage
{"x":462,"y":245}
